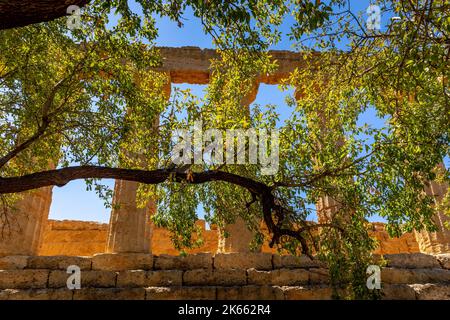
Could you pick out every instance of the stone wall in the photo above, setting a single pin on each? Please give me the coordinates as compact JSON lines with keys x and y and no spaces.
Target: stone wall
{"x":85,"y":238}
{"x":230,"y":276}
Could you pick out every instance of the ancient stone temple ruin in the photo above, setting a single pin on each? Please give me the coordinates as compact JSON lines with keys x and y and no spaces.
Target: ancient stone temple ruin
{"x":131,"y":259}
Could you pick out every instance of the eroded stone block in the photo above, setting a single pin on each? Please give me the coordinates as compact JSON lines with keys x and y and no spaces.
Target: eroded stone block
{"x":109,"y":294}
{"x":122,"y":261}
{"x":189,"y":262}
{"x":411,"y":260}
{"x":219,"y":277}
{"x":23,"y":279}
{"x":13,"y":262}
{"x":58,"y":262}
{"x":180,"y":293}
{"x":259,"y":261}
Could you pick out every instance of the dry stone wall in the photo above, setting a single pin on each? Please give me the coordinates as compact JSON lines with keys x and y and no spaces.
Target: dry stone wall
{"x":85,"y":238}
{"x":228,"y":276}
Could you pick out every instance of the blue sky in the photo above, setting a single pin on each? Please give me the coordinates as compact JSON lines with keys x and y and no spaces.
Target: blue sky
{"x":74,"y":202}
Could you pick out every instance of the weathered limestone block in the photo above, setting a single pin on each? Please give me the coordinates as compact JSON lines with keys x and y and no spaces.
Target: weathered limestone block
{"x":131,"y":278}
{"x":189,"y":262}
{"x":432,"y":291}
{"x":23,"y":236}
{"x":219,"y":277}
{"x":291,"y":262}
{"x":259,"y":261}
{"x":319,"y":276}
{"x":89,"y":279}
{"x":444,"y":260}
{"x":397,"y":292}
{"x":411,"y":260}
{"x":58,"y":262}
{"x":164,"y":278}
{"x":130,"y":226}
{"x":36,"y":294}
{"x":73,"y":238}
{"x":122,"y":261}
{"x":239,"y":236}
{"x":280,"y":277}
{"x":180,"y":293}
{"x":410,"y":276}
{"x":439,"y":241}
{"x":250,"y":292}
{"x":307,"y":293}
{"x":141,"y":278}
{"x":109,"y":294}
{"x":23,"y":279}
{"x":13,"y":262}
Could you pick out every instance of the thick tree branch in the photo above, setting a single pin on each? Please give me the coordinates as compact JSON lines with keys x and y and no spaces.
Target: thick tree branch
{"x":19,"y":13}
{"x":60,"y":177}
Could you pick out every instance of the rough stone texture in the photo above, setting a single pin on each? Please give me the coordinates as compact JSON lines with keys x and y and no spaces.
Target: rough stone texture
{"x":219,"y":277}
{"x":398,"y":292}
{"x":180,"y":293}
{"x":129,"y":226}
{"x":191,"y":261}
{"x":431,"y":291}
{"x":132,"y":278}
{"x":406,"y":243}
{"x":250,"y":292}
{"x":280,"y":277}
{"x":162,"y":243}
{"x":13,"y":262}
{"x":259,"y":261}
{"x":418,"y":281}
{"x":122,"y":261}
{"x":58,"y":262}
{"x":436,"y":242}
{"x":319,"y":276}
{"x":238,"y":240}
{"x":73,"y":238}
{"x":36,"y":294}
{"x":23,"y":279}
{"x":307,"y":293}
{"x":94,"y":279}
{"x":23,"y":234}
{"x":141,"y":278}
{"x":86,"y":238}
{"x":109,"y":294}
{"x":444,"y":260}
{"x":415,"y":260}
{"x":290,"y":262}
{"x":398,"y":276}
{"x":195,"y":65}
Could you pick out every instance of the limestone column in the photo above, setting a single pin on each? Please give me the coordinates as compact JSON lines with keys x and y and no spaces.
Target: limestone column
{"x":326,"y":206}
{"x":130,"y":227}
{"x":439,"y":241}
{"x":22,"y":233}
{"x":239,"y":236}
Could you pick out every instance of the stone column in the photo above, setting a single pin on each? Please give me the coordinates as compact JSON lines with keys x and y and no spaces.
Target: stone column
{"x":22,"y":233}
{"x":327,"y":206}
{"x":439,"y":241}
{"x":130,"y":227}
{"x":239,"y":236}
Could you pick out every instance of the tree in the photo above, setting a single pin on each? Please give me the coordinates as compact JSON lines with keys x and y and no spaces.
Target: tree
{"x":90,"y":103}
